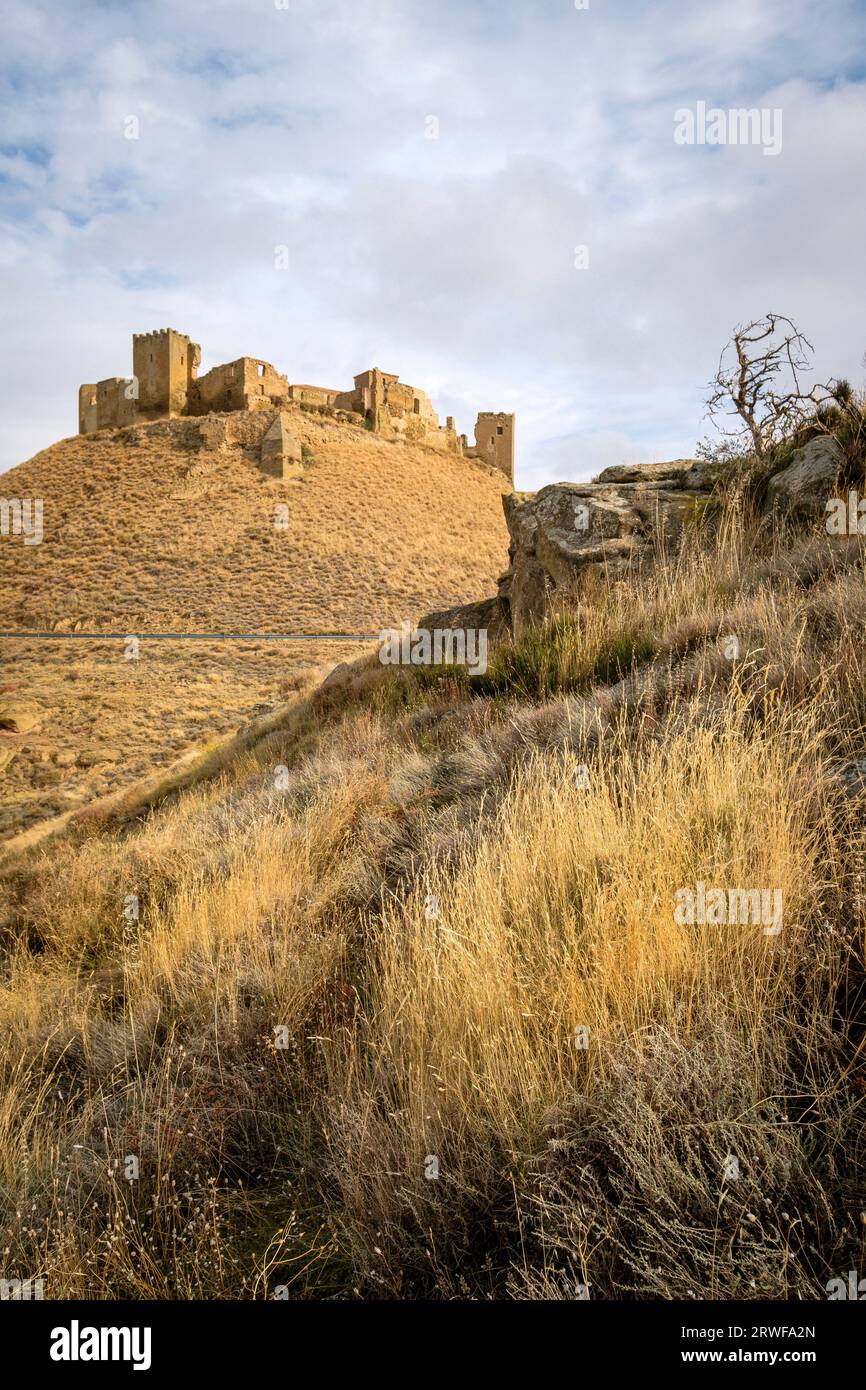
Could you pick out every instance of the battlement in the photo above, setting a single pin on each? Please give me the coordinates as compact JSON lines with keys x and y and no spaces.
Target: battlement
{"x":159,"y":333}
{"x":165,"y":383}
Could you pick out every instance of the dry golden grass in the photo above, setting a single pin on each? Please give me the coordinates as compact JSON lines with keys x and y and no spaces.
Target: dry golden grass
{"x":144,"y":533}
{"x":293,"y":1030}
{"x":162,"y":536}
{"x":106,"y":723}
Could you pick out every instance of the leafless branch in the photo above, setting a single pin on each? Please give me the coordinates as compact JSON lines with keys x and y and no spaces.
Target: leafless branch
{"x":759,"y":384}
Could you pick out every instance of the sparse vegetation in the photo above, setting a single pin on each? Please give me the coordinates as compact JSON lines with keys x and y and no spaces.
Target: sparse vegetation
{"x":291,"y":1033}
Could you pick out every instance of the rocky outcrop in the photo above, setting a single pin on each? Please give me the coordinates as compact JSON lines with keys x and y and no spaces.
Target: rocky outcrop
{"x":569,"y":535}
{"x":672,"y":472}
{"x":802,"y":488}
{"x":18,"y":718}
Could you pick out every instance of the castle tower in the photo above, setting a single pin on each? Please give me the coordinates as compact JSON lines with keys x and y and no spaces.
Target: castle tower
{"x":494,"y":441}
{"x":165,"y":364}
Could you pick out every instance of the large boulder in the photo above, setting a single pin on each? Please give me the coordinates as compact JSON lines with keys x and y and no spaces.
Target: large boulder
{"x":705,"y":473}
{"x":803,"y":487}
{"x":571,"y":534}
{"x":18,"y":716}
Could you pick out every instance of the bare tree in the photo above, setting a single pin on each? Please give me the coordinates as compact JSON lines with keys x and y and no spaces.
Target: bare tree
{"x":758,"y":382}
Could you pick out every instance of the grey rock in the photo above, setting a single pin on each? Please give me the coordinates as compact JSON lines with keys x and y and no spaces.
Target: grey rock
{"x":672,"y":472}
{"x":803,"y":487}
{"x":568,"y":532}
{"x":487,"y":615}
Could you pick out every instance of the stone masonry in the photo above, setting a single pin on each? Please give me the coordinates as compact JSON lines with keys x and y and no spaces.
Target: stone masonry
{"x":165,"y":384}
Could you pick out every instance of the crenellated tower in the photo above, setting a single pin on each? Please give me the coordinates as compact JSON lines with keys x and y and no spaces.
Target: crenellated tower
{"x":165,"y":365}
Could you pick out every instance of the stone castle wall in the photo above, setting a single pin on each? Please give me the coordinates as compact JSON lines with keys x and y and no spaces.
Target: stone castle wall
{"x":239,"y":385}
{"x":494,"y":441}
{"x":165,"y":384}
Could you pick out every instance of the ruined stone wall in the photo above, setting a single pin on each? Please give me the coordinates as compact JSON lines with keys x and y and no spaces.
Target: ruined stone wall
{"x":317,"y":395}
{"x":212,"y":389}
{"x":494,"y":441}
{"x":263,"y":382}
{"x":403,"y":401}
{"x":400,"y":399}
{"x":165,"y":384}
{"x":446,"y":437}
{"x":392,"y":406}
{"x":87,"y":415}
{"x":370,"y":397}
{"x":115,"y":402}
{"x":419,"y":430}
{"x":243,"y":429}
{"x":106,"y":405}
{"x":248,"y":383}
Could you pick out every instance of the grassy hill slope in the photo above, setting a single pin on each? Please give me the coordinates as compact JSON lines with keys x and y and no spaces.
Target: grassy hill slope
{"x":421,"y":1020}
{"x":145,"y":531}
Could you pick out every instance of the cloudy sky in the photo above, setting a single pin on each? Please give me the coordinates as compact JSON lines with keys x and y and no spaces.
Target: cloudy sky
{"x":431,"y":169}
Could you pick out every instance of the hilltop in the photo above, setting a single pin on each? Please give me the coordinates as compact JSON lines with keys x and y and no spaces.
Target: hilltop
{"x":147,"y":528}
{"x":172,"y":526}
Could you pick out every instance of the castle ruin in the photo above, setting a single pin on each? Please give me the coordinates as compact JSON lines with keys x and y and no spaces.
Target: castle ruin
{"x":165,"y":383}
